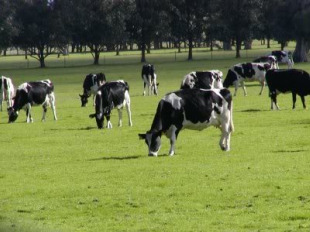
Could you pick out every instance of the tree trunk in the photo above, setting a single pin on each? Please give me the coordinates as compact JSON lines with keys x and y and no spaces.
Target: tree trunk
{"x":227,"y":45}
{"x":143,"y":53}
{"x":190,"y":48}
{"x":248,"y":44}
{"x":301,"y":50}
{"x":41,"y":58}
{"x":238,"y":47}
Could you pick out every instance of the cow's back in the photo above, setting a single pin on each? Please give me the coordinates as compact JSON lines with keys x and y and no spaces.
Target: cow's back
{"x":285,"y":80}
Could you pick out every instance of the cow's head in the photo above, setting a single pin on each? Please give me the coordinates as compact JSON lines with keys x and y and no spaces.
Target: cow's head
{"x":230,"y":78}
{"x":99,"y":119}
{"x":12,"y":114}
{"x":153,"y":142}
{"x":189,"y":81}
{"x":84,"y":99}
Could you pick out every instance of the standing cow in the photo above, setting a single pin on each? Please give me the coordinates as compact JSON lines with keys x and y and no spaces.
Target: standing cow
{"x":272,"y":60}
{"x":7,"y":91}
{"x":149,"y":78}
{"x":284,"y":57}
{"x":114,"y":94}
{"x":90,"y":86}
{"x":246,"y":72}
{"x":194,"y":109}
{"x":288,"y":80}
{"x":33,"y":93}
{"x":203,"y":80}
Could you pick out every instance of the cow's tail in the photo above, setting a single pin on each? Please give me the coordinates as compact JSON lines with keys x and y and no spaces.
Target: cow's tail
{"x":126,"y":86}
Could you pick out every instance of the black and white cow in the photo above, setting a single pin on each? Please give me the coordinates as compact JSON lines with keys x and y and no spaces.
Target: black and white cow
{"x":295,"y":81}
{"x":33,"y":93}
{"x":203,"y":79}
{"x":246,"y":72}
{"x":149,"y":78}
{"x":90,"y":86}
{"x":114,"y":94}
{"x":7,"y":91}
{"x":272,"y":60}
{"x":194,"y":109}
{"x":284,"y":57}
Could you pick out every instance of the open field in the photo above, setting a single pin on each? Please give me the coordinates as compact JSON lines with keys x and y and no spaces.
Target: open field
{"x":70,"y":176}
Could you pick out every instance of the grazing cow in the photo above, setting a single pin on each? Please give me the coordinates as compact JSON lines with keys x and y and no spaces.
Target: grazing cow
{"x":203,"y":80}
{"x":284,"y":57}
{"x":111,"y":95}
{"x":149,"y":78}
{"x":194,"y":109}
{"x":90,"y":86}
{"x":7,"y":91}
{"x":272,"y":60}
{"x":246,"y":72}
{"x":33,"y":93}
{"x":288,"y":80}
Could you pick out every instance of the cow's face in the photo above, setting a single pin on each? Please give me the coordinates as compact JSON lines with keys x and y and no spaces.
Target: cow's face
{"x":12,"y":114}
{"x":153,"y":142}
{"x":84,"y":100}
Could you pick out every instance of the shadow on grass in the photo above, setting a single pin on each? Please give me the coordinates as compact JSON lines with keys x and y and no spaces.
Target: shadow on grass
{"x":251,"y":111}
{"x":76,"y":129}
{"x":127,"y":157}
{"x":290,"y":151}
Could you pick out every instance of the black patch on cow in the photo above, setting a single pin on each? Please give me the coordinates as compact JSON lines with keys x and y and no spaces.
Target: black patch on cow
{"x":148,"y":69}
{"x":248,"y":70}
{"x":203,"y":80}
{"x":5,"y":84}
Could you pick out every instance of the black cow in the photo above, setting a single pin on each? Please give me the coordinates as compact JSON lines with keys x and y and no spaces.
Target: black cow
{"x":194,"y":109}
{"x":90,"y":86}
{"x":203,"y":80}
{"x":284,"y":57}
{"x":246,"y":72}
{"x":149,"y":78}
{"x":111,"y":95}
{"x":288,"y":80}
{"x":33,"y":93}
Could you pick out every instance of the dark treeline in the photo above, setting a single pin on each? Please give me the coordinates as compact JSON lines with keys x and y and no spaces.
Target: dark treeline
{"x":44,"y":27}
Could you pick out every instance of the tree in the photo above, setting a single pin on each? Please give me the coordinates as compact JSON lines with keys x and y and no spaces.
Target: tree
{"x":238,"y":17}
{"x":40,"y":30}
{"x":7,"y":28}
{"x":187,"y":21}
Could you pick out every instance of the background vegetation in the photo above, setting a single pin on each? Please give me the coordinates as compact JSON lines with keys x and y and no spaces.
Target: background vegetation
{"x":70,"y":176}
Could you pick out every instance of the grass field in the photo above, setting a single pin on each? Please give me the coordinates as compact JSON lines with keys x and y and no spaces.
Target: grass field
{"x":70,"y":176}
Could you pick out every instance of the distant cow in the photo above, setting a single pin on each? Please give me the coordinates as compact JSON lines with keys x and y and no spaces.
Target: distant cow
{"x":203,"y":79}
{"x":7,"y":91}
{"x":272,"y":60}
{"x":149,"y":78}
{"x":90,"y":86}
{"x":246,"y":72}
{"x":288,"y":80}
{"x":284,"y":57}
{"x":114,"y":94}
{"x":194,"y":109}
{"x":33,"y":93}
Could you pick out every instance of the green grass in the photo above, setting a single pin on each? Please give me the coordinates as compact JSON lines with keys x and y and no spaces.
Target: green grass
{"x":70,"y":176}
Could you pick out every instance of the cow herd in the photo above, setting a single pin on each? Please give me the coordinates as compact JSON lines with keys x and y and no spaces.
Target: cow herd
{"x":203,"y":99}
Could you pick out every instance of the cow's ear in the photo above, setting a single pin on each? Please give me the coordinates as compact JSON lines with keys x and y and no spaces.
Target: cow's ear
{"x":157,"y":84}
{"x":142,"y":136}
{"x":80,"y":95}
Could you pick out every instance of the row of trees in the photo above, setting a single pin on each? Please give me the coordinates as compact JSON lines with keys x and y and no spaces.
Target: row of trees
{"x":43,"y":27}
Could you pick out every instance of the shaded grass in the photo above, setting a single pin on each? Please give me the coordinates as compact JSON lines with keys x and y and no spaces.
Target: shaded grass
{"x":69,"y":176}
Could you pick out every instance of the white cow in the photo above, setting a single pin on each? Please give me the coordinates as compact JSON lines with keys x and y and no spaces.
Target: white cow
{"x":7,"y":91}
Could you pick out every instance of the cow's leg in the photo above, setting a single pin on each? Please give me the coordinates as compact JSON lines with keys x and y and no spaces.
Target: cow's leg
{"x":28,"y":113}
{"x":262,"y":83}
{"x":94,"y":102}
{"x":303,"y":102}
{"x":243,"y":87}
{"x":172,"y":134}
{"x":294,"y":99}
{"x":120,"y":117}
{"x":127,"y":103}
{"x":1,"y":103}
{"x":236,"y":85}
{"x":109,"y":124}
{"x":226,"y":131}
{"x":149,"y":77}
{"x":274,"y":103}
{"x":44,"y":106}
{"x":52,"y":102}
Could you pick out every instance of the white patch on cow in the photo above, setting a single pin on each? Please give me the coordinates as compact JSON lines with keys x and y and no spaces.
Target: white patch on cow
{"x":174,"y":100}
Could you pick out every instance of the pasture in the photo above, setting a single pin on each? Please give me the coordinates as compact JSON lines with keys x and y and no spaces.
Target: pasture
{"x":70,"y":176}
